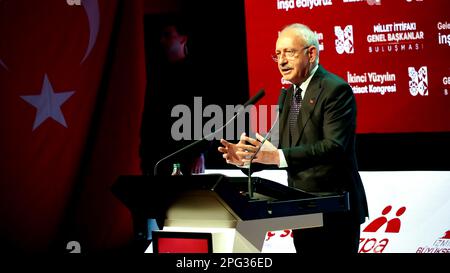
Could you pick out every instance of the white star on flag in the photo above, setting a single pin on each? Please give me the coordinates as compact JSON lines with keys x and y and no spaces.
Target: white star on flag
{"x":48,"y":104}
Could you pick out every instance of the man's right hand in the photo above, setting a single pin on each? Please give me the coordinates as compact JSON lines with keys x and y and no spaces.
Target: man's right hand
{"x":229,"y":151}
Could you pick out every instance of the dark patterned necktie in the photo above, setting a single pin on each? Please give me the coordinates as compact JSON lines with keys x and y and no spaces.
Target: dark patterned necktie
{"x":295,"y":109}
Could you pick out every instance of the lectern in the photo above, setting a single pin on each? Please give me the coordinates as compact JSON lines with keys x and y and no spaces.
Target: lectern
{"x":221,"y":205}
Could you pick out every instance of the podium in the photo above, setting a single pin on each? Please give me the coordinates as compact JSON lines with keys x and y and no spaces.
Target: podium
{"x":220,"y":205}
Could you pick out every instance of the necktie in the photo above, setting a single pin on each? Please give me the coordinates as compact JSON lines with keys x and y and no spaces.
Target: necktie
{"x":295,"y":109}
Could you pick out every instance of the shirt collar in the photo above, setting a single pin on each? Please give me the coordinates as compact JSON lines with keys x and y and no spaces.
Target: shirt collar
{"x":305,"y":84}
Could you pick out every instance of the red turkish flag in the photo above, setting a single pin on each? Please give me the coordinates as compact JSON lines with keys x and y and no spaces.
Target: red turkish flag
{"x":72,"y":83}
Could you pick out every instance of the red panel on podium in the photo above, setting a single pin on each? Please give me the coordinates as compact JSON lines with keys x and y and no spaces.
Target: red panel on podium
{"x":181,"y":242}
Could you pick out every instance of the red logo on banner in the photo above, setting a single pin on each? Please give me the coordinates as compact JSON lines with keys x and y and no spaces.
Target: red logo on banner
{"x":391,"y":225}
{"x":285,"y":233}
{"x":447,"y":235}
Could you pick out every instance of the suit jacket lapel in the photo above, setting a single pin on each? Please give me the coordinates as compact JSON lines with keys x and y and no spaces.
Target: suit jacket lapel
{"x":284,"y":123}
{"x":309,"y":101}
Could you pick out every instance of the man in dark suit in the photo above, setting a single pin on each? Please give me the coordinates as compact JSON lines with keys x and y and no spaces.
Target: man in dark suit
{"x":316,"y":142}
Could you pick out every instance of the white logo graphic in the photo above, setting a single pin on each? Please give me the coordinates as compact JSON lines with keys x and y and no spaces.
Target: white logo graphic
{"x":443,"y":38}
{"x":74,"y":247}
{"x":419,"y":81}
{"x":374,"y":2}
{"x":73,"y":2}
{"x":344,"y":39}
{"x":308,"y":4}
{"x":369,"y":2}
{"x":320,"y":40}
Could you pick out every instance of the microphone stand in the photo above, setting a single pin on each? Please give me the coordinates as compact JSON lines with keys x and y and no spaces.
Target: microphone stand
{"x":250,"y":185}
{"x":280,"y":109}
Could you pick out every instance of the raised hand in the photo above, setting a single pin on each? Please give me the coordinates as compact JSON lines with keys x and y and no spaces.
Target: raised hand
{"x":268,"y":154}
{"x":230,"y":151}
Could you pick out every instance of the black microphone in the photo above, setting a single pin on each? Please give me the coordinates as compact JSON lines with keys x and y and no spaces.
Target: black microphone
{"x":252,"y":100}
{"x":280,"y":109}
{"x":255,"y":98}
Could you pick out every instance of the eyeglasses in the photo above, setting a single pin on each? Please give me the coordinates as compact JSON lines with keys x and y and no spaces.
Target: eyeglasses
{"x":289,"y":53}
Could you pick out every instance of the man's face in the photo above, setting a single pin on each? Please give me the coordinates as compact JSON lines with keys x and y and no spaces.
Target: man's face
{"x":173,"y":43}
{"x":295,"y":57}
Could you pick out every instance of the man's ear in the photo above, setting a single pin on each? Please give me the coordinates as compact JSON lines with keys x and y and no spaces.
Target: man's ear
{"x":312,"y":54}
